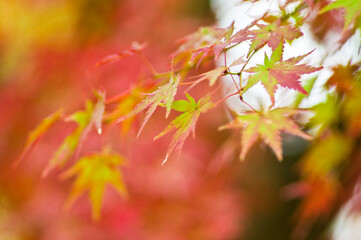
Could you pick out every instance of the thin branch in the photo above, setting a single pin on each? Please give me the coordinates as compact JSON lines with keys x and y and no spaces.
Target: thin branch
{"x":233,"y":94}
{"x":118,"y":97}
{"x":244,"y":66}
{"x":225,"y":64}
{"x":226,"y":97}
{"x":234,"y":45}
{"x":231,"y":73}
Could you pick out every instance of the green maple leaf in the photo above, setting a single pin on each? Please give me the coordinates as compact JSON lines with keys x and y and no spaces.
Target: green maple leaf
{"x":186,"y":122}
{"x":352,"y":10}
{"x":276,"y":72}
{"x":85,"y":119}
{"x":267,"y":126}
{"x":163,"y":96}
{"x":326,"y":155}
{"x":92,"y":173}
{"x":272,"y":34}
{"x":326,"y":114}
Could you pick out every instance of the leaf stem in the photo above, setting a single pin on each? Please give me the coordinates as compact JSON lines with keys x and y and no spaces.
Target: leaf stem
{"x":254,"y":110}
{"x":122,"y":94}
{"x":244,"y":66}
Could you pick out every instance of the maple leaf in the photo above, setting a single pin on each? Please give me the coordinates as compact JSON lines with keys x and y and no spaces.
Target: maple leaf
{"x":202,"y":37}
{"x":319,"y":196}
{"x":92,"y":174}
{"x":86,"y":119}
{"x":352,"y":111}
{"x":308,"y":2}
{"x":164,"y":95}
{"x":308,"y":86}
{"x":126,"y":104}
{"x":211,"y":76}
{"x":343,"y":77}
{"x":272,"y":34}
{"x":227,"y":39}
{"x":135,"y":47}
{"x":352,"y":10}
{"x":212,"y":41}
{"x":275,"y":71}
{"x":36,"y":133}
{"x":44,"y":125}
{"x":326,"y":154}
{"x":319,"y":165}
{"x":201,"y":41}
{"x":267,"y":126}
{"x":186,"y":122}
{"x":98,"y":112}
{"x":217,"y":46}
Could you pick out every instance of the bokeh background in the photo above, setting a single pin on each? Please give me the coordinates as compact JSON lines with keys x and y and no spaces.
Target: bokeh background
{"x":48,"y":50}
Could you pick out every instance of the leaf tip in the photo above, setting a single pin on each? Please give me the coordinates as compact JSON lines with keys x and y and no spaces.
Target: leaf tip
{"x":165,"y":160}
{"x":242,"y":155}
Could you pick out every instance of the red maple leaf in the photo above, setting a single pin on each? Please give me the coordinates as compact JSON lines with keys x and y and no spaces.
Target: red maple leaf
{"x":275,"y":71}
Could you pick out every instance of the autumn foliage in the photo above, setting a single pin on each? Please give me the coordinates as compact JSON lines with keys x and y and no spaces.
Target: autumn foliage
{"x":120,"y":78}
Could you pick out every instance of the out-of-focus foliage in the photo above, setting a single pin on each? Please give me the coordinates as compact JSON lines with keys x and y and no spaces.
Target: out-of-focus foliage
{"x":91,"y":117}
{"x":48,"y":50}
{"x":93,"y":173}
